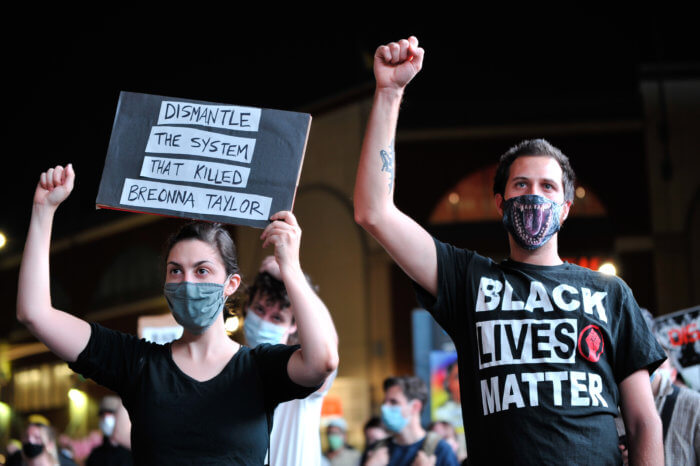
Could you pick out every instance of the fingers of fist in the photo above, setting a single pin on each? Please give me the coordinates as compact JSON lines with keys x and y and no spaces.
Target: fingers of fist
{"x":57,"y":176}
{"x":396,"y":53}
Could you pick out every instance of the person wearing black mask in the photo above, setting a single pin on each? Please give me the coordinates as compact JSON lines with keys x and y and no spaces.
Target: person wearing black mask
{"x":39,"y":444}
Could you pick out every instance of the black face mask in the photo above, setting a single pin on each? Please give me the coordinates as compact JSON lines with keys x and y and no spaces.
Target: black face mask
{"x":32,"y":450}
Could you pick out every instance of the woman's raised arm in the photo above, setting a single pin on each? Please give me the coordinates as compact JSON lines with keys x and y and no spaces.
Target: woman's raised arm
{"x":318,"y":356}
{"x":64,"y":334}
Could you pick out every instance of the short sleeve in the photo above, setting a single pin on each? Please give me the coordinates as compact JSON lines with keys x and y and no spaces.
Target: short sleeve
{"x":110,"y":358}
{"x":637,"y":347}
{"x":452,"y":266}
{"x":272,"y":365}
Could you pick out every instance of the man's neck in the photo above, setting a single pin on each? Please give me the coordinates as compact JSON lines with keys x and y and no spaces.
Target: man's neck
{"x":410,"y":434}
{"x":548,"y":254}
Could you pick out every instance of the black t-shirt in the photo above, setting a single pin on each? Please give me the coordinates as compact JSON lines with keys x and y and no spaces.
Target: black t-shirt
{"x":179,"y":420}
{"x":541,"y":351}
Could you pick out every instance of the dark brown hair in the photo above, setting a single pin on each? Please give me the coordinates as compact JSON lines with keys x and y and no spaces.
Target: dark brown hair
{"x":534,"y":147}
{"x":412,"y":387}
{"x":215,"y":235}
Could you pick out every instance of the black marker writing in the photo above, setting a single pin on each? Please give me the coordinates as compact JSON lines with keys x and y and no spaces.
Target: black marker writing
{"x":231,"y":204}
{"x":164,"y":167}
{"x":168,"y":139}
{"x":169,"y":196}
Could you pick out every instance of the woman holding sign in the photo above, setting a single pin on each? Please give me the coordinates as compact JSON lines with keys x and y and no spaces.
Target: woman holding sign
{"x":203,"y":399}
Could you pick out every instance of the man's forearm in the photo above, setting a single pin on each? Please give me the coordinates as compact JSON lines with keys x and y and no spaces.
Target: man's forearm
{"x":374,"y":187}
{"x":645,"y":443}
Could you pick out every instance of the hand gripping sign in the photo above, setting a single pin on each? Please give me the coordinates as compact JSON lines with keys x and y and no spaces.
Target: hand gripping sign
{"x":202,"y":160}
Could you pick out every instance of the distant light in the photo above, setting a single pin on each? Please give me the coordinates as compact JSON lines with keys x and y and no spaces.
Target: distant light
{"x":608,"y":268}
{"x":580,"y":192}
{"x":453,"y":198}
{"x":5,"y":411}
{"x":3,"y":240}
{"x":231,"y":324}
{"x":77,"y":397}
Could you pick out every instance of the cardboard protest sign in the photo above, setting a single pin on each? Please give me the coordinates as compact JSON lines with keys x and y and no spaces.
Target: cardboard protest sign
{"x":202,"y":160}
{"x":680,"y":332}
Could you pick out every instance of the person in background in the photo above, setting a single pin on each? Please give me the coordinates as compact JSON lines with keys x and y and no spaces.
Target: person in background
{"x":404,"y":399}
{"x":13,"y":450}
{"x":679,"y":408}
{"x":339,"y":453}
{"x":270,"y":318}
{"x":448,"y":433}
{"x":374,"y":431}
{"x":111,"y":452}
{"x":39,"y":444}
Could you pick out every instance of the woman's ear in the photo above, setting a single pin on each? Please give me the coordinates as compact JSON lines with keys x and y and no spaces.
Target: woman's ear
{"x":232,"y":284}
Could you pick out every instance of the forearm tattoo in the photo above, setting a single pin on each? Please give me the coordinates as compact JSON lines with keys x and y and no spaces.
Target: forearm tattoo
{"x":388,"y":163}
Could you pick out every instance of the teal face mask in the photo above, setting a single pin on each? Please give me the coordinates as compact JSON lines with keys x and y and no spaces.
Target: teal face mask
{"x":335,"y":442}
{"x":195,"y":306}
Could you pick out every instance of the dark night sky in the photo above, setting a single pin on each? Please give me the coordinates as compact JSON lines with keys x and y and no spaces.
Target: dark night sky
{"x":481,"y":68}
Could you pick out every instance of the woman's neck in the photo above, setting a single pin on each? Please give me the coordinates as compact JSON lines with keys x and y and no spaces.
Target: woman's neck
{"x":211,"y":343}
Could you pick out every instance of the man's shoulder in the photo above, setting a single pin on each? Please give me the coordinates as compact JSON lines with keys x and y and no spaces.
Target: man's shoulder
{"x":458,"y":254}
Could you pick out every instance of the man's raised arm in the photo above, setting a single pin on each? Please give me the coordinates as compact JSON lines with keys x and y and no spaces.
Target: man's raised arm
{"x":407,"y":242}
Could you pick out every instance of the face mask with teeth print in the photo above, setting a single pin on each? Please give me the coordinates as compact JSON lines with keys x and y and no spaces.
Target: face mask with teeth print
{"x":531,"y":219}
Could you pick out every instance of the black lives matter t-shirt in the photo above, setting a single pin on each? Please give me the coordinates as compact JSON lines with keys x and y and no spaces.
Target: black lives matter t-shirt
{"x":541,"y":351}
{"x":179,"y":420}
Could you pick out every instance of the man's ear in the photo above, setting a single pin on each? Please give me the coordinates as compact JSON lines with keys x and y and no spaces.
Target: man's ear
{"x":417,"y":407}
{"x":232,"y":284}
{"x":499,"y":204}
{"x":565,"y":209}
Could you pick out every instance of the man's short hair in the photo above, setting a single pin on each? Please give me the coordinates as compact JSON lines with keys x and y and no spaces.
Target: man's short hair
{"x":534,"y":147}
{"x":272,"y":290}
{"x":412,"y":387}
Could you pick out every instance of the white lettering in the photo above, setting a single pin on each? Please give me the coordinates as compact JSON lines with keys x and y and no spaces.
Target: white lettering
{"x":556,"y":378}
{"x":538,"y":297}
{"x":577,"y":387}
{"x":532,"y":378}
{"x":557,"y":295}
{"x":595,"y":389}
{"x":490,"y":397}
{"x":501,"y":393}
{"x":488,"y":288}
{"x":508,"y":303}
{"x":511,"y":393}
{"x":594,"y":300}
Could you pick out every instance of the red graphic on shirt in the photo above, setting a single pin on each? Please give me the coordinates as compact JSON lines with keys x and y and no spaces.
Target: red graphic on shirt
{"x":593,"y":338}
